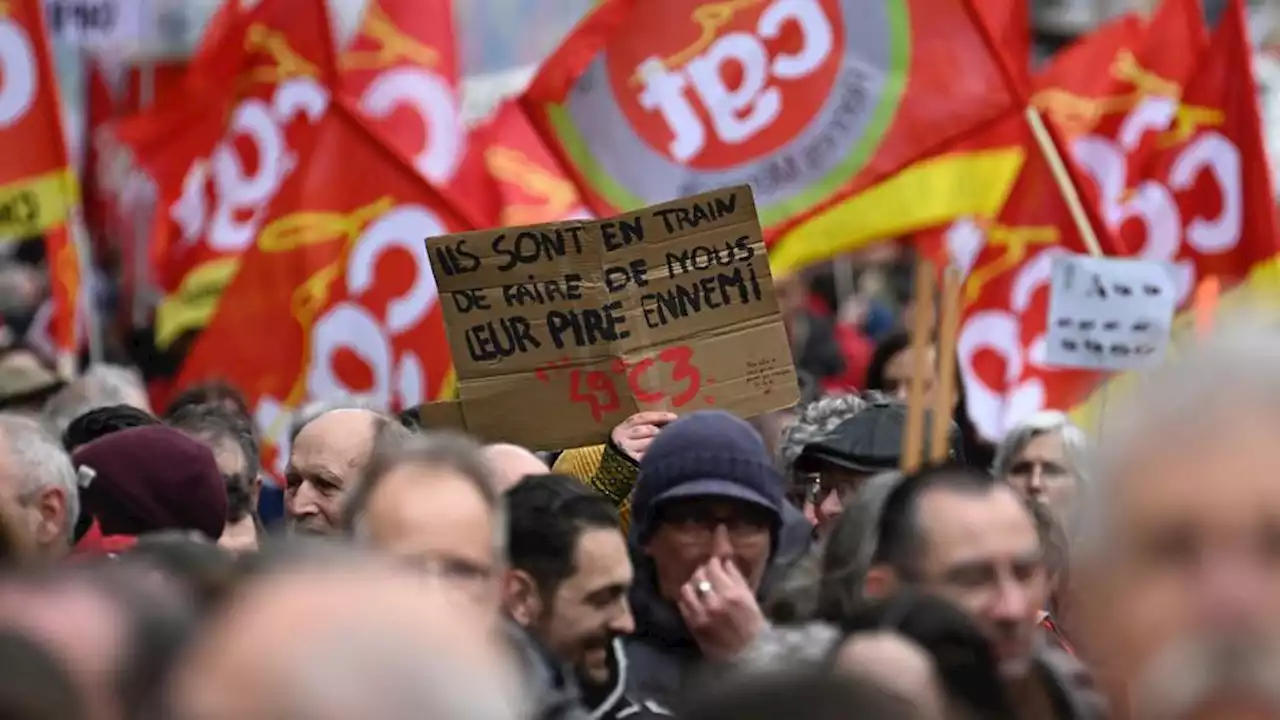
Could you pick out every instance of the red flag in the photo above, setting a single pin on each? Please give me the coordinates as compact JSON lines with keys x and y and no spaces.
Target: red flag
{"x":240,"y":145}
{"x":1074,"y":89}
{"x":37,"y":186}
{"x":1223,"y":210}
{"x":533,"y":186}
{"x":337,"y":296}
{"x":100,"y":107}
{"x":1006,"y":262}
{"x":401,"y":71}
{"x":1133,"y":113}
{"x":808,"y":100}
{"x":1009,"y":24}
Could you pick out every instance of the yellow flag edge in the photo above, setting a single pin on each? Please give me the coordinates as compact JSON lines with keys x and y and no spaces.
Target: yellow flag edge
{"x":192,"y":306}
{"x":926,"y":194}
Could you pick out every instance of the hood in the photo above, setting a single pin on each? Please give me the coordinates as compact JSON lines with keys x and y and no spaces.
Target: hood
{"x":604,"y":701}
{"x":660,"y":621}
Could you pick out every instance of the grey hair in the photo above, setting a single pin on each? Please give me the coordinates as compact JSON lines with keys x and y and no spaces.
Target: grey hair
{"x":813,"y":422}
{"x":1041,"y":423}
{"x":357,"y":668}
{"x":312,"y":411}
{"x":38,"y":461}
{"x":852,"y":546}
{"x":350,"y":670}
{"x":101,"y":385}
{"x":396,"y":446}
{"x":1195,"y":393}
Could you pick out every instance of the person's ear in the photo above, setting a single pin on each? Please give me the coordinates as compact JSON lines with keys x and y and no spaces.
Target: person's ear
{"x":520,"y":597}
{"x":881,"y":582}
{"x":51,"y":503}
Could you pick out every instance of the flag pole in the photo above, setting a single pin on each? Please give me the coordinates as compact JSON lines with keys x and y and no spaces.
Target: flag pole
{"x":1061,"y":178}
{"x":1071,"y":196}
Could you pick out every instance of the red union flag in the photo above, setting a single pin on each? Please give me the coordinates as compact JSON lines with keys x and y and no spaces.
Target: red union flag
{"x":806,"y":100}
{"x":1006,"y":262}
{"x":37,"y":189}
{"x":531,"y":185}
{"x":336,"y":296}
{"x":401,"y":71}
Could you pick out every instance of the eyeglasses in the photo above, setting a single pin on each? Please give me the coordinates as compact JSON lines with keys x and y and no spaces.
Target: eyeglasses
{"x":696,"y":524}
{"x":845,"y":486}
{"x":463,"y":574}
{"x":1049,"y":470}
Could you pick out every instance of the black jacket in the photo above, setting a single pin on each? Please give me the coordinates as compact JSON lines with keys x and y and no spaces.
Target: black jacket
{"x":615,"y":700}
{"x":662,"y":655}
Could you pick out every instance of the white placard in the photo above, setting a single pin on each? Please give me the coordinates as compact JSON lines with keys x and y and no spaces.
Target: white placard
{"x":99,"y":24}
{"x":1109,"y":313}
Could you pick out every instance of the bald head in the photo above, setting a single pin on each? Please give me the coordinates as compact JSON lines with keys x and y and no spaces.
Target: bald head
{"x":326,"y":459}
{"x":303,"y":644}
{"x":511,"y":463}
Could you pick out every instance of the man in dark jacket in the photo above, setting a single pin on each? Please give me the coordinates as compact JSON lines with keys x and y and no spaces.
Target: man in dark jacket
{"x":708,"y":511}
{"x":970,"y":539}
{"x":565,"y":598}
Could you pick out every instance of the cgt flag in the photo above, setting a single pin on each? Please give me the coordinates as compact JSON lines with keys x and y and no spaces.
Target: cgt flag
{"x":532,"y":187}
{"x":336,"y":296}
{"x":808,"y":101}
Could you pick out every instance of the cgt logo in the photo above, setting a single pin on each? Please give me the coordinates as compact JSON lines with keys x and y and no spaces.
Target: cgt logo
{"x":723,"y":94}
{"x":789,"y":96}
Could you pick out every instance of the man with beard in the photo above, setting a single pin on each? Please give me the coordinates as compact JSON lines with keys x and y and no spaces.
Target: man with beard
{"x":565,"y":592}
{"x":328,"y":449}
{"x":1176,"y":564}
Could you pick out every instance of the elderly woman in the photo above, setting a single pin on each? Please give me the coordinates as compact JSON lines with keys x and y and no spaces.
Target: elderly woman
{"x":1041,"y":457}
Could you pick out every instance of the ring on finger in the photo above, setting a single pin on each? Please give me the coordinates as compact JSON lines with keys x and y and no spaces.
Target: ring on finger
{"x":703,"y":588}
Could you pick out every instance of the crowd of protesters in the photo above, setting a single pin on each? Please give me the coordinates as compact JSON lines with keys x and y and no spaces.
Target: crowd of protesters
{"x":701,"y":566}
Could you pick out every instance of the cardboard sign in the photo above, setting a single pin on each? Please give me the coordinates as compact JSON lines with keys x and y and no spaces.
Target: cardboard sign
{"x":561,"y":331}
{"x":1109,"y":313}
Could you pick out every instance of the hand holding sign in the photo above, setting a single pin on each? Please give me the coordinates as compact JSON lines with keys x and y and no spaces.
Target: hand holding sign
{"x":634,"y":435}
{"x":1109,"y":313}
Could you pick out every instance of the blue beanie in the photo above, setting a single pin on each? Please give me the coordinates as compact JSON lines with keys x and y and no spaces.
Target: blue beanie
{"x":709,"y":453}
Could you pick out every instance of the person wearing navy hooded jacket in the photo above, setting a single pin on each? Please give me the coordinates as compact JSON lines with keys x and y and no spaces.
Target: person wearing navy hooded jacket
{"x":708,"y":515}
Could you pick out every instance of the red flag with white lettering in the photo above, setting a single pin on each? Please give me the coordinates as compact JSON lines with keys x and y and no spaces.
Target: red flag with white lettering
{"x":1207,"y":163}
{"x":337,"y":296}
{"x":401,"y":70}
{"x":809,"y":101}
{"x":38,"y":192}
{"x":1006,"y":264}
{"x":234,"y":149}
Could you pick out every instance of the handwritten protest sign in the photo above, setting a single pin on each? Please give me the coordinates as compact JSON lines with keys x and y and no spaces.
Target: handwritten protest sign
{"x":1109,"y":313}
{"x":561,"y":331}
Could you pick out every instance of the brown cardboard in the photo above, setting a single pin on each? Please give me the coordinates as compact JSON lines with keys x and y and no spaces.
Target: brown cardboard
{"x":632,"y":347}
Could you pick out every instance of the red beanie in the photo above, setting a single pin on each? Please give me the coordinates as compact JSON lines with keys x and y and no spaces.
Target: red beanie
{"x":153,"y":478}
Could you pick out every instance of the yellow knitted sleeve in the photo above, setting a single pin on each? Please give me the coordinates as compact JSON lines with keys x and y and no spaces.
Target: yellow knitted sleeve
{"x":606,"y":470}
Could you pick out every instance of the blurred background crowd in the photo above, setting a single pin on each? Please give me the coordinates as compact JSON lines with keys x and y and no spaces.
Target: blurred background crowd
{"x":181,"y":539}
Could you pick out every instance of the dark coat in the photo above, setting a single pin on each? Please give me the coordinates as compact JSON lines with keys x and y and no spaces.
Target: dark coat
{"x":662,"y":655}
